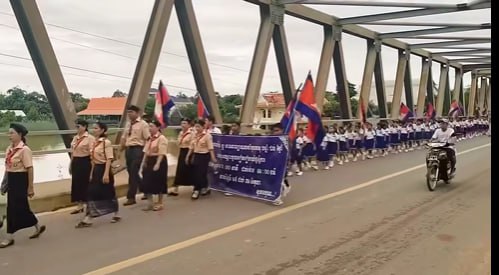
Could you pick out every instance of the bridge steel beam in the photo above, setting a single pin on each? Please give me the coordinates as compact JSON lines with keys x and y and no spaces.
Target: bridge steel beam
{"x":341,"y":75}
{"x":429,"y":87}
{"x":473,"y":90}
{"x":409,"y":99}
{"x":458,"y":87}
{"x":447,"y":95}
{"x":379,"y":80}
{"x":284,"y":63}
{"x":462,"y":53}
{"x":324,"y":69}
{"x":258,"y":63}
{"x":399,"y":84}
{"x":365,"y":88}
{"x":489,"y":91}
{"x":423,"y":83}
{"x":149,"y":56}
{"x":414,"y":34}
{"x":47,"y":67}
{"x":444,"y":74}
{"x":482,"y":93}
{"x":197,"y":57}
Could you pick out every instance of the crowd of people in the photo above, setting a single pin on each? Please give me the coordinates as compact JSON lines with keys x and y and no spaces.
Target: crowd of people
{"x":146,"y":148}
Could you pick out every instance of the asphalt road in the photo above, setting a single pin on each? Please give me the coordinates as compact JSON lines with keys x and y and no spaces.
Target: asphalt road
{"x":369,"y":217}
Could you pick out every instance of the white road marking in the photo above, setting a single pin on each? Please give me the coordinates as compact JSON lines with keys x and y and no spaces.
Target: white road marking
{"x":231,"y":228}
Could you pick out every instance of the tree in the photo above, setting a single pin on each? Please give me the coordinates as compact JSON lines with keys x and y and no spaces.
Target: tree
{"x":119,"y":93}
{"x":79,"y":101}
{"x":33,"y":114}
{"x":6,"y":118}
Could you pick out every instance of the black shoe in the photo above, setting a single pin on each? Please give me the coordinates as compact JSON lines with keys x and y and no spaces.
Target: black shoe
{"x":129,"y":202}
{"x":144,"y":198}
{"x":38,"y":232}
{"x":7,"y":244}
{"x":173,"y":194}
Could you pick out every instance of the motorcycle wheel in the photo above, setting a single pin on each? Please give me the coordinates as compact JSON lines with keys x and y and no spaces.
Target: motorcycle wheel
{"x":431,"y":182}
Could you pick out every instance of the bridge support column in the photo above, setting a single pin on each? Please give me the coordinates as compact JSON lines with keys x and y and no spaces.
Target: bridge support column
{"x":38,"y":43}
{"x":399,"y":83}
{"x":149,"y":55}
{"x":271,"y":27}
{"x":409,"y":99}
{"x":423,"y":84}
{"x":379,"y":80}
{"x":328,"y":46}
{"x":473,"y":90}
{"x":197,"y":57}
{"x":341,"y":75}
{"x":448,"y":96}
{"x":444,"y":73}
{"x":367,"y":77}
{"x":489,"y":103}
{"x":482,"y":94}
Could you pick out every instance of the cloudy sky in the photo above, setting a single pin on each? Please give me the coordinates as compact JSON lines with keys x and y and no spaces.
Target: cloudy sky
{"x":228,"y":29}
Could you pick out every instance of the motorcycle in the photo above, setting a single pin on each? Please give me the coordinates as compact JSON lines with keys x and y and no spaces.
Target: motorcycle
{"x":438,"y":165}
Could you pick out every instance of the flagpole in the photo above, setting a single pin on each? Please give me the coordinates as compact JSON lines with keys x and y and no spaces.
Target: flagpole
{"x":292,"y":114}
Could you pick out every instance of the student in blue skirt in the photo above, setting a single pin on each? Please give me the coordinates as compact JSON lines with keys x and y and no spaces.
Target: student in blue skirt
{"x":381,"y":139}
{"x":309,"y":153}
{"x":395,"y":138}
{"x":358,"y":142}
{"x":418,"y":133}
{"x":343,"y":146}
{"x":369,"y":134}
{"x":322,"y":152}
{"x":297,"y":152}
{"x":332,"y":145}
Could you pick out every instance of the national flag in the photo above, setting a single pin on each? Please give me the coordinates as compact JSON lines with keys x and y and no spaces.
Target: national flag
{"x":405,"y":113}
{"x":288,"y":121}
{"x":202,"y":111}
{"x":455,"y":109}
{"x":307,"y":107}
{"x":163,"y":106}
{"x":363,"y":116}
{"x":430,"y":112}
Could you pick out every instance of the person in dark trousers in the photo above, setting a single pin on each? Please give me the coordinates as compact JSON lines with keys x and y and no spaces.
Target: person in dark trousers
{"x":133,"y":140}
{"x":183,"y":174}
{"x":80,"y":165}
{"x":19,"y":186}
{"x":277,"y":130}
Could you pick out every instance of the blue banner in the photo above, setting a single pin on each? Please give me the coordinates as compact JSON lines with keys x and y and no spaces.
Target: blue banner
{"x":250,"y":166}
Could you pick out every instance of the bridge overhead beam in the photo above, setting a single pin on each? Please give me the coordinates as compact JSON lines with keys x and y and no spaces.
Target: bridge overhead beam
{"x":462,"y":53}
{"x":414,"y":13}
{"x":471,"y":67}
{"x":399,"y":84}
{"x":321,"y":18}
{"x":197,"y":57}
{"x":449,"y":43}
{"x":366,"y":3}
{"x":412,"y":34}
{"x":45,"y":61}
{"x":149,"y":56}
{"x":444,"y":74}
{"x":473,"y":91}
{"x":423,"y":82}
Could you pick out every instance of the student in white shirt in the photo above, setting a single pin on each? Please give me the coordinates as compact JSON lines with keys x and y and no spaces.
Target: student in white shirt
{"x":343,"y":146}
{"x":369,"y":134}
{"x":210,"y":128}
{"x":332,"y":145}
{"x":446,"y":134}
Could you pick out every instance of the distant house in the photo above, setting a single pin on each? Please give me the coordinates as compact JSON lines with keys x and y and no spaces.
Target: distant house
{"x":17,"y":113}
{"x":105,"y":109}
{"x":179,"y":101}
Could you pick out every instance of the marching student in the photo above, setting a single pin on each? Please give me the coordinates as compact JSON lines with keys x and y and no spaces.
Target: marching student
{"x":210,"y":127}
{"x":381,"y":140}
{"x":19,"y":177}
{"x":351,"y":142}
{"x":369,"y":134}
{"x":395,"y":138}
{"x":80,"y":165}
{"x":410,"y":136}
{"x":332,"y":145}
{"x":200,"y":154}
{"x":404,"y":136}
{"x":101,"y":193}
{"x":343,"y":146}
{"x":309,"y":153}
{"x":427,"y":132}
{"x":358,"y":138}
{"x":183,"y":174}
{"x":155,"y":167}
{"x":418,"y":133}
{"x":297,"y":152}
{"x":285,"y":187}
{"x":323,"y":153}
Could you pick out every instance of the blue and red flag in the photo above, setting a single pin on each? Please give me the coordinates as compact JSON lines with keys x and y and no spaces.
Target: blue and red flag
{"x":163,"y":106}
{"x":288,"y":120}
{"x":455,"y":109}
{"x":405,"y":113}
{"x":363,"y":116}
{"x":306,"y":106}
{"x":430,"y":112}
{"x":202,"y":111}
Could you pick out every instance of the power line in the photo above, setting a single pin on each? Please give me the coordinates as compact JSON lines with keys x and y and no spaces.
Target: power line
{"x":126,"y":43}
{"x":95,"y":72}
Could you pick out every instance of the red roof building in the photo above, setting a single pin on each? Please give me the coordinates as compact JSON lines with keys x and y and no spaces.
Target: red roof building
{"x":105,"y":106}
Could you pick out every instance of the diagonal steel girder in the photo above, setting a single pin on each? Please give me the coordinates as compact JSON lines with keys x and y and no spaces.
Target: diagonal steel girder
{"x":471,"y":60}
{"x":420,"y":24}
{"x":461,"y":53}
{"x":414,"y":13}
{"x":412,"y":34}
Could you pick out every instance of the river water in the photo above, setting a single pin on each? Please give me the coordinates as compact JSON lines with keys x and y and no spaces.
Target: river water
{"x":50,"y":167}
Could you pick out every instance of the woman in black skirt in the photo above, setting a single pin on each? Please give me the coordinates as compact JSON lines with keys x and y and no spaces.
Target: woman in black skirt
{"x":183,"y":176}
{"x":101,"y":196}
{"x":80,"y":165}
{"x":155,"y":167}
{"x":19,"y":174}
{"x":200,"y":154}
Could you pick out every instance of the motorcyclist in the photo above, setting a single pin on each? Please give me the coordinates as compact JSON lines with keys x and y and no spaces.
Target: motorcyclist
{"x":445,"y":134}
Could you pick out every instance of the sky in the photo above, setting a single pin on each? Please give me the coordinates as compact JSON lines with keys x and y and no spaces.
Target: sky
{"x":228,"y":30}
